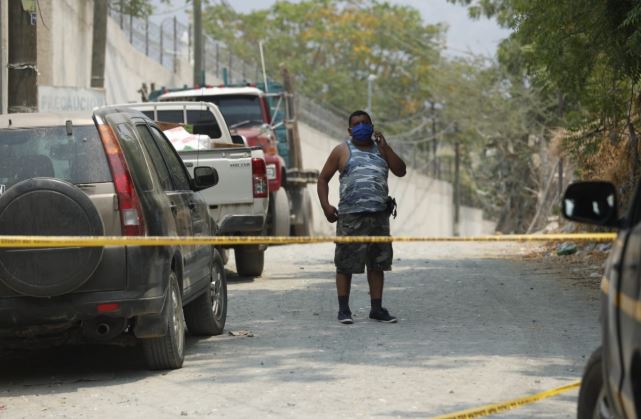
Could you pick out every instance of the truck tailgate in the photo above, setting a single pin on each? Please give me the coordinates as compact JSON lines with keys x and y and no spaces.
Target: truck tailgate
{"x":234,"y":167}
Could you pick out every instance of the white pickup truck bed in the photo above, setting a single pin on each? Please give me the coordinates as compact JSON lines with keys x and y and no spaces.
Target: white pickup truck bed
{"x":231,"y":203}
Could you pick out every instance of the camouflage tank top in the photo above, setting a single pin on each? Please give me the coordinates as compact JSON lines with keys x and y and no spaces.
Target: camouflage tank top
{"x":363,"y":181}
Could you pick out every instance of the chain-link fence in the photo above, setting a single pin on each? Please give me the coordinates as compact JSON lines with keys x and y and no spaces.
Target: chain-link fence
{"x":166,"y":43}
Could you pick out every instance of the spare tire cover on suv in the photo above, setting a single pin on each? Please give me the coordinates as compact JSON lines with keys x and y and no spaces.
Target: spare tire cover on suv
{"x":48,"y":207}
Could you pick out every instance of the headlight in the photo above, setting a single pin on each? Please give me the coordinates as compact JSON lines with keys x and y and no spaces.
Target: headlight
{"x":271,"y":171}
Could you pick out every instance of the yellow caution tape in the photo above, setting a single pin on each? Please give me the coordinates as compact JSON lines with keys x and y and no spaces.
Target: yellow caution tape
{"x":99,"y":241}
{"x":492,"y":409}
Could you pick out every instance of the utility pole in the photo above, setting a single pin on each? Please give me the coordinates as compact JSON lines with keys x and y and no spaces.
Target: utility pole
{"x":370,"y":80}
{"x":1,"y":60}
{"x":291,"y":121}
{"x":560,"y":178}
{"x":23,"y":59}
{"x":434,"y":141}
{"x":457,"y":183}
{"x":99,"y":43}
{"x":198,"y":43}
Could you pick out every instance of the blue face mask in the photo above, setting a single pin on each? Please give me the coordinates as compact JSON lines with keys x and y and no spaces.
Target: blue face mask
{"x":362,"y":132}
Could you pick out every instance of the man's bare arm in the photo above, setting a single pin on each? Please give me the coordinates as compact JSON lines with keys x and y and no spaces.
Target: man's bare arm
{"x":395,"y":163}
{"x":322,"y":187}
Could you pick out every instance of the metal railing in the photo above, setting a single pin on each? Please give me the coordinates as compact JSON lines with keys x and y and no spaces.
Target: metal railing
{"x":167,"y":42}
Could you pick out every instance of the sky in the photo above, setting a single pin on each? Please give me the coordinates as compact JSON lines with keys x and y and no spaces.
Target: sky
{"x":464,"y":34}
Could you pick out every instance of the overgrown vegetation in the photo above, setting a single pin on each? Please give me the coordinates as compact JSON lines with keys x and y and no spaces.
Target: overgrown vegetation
{"x":588,"y":54}
{"x":570,"y":70}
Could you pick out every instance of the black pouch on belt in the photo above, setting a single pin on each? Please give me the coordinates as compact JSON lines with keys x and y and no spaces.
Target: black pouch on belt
{"x":391,"y":206}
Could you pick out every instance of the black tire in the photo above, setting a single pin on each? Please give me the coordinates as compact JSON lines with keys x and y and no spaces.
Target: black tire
{"x":592,"y":391}
{"x":279,"y":211}
{"x":168,"y":352}
{"x":48,"y":207}
{"x":206,"y":315}
{"x":250,"y":260}
{"x":305,"y":228}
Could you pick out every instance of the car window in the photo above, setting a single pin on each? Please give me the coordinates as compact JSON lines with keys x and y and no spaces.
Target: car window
{"x":156,"y":157}
{"x":50,"y":152}
{"x":135,"y":157}
{"x":237,"y":109}
{"x":149,"y":114}
{"x":176,"y":116}
{"x":204,"y":122}
{"x":177,"y":171}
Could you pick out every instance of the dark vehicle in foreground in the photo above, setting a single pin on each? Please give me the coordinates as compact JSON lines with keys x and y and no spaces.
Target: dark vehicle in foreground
{"x":611,"y":385}
{"x":112,"y":173}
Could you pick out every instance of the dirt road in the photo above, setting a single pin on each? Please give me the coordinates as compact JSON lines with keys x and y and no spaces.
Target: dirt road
{"x":476,"y":326}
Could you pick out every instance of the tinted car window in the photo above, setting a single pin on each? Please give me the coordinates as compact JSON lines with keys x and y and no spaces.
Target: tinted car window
{"x":176,"y":116}
{"x":175,"y":165}
{"x":149,"y":114}
{"x":237,"y":108}
{"x":204,"y":122}
{"x":135,"y":157}
{"x":156,"y":157}
{"x":50,"y":152}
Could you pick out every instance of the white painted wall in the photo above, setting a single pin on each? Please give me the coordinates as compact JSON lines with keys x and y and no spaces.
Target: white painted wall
{"x":65,"y":49}
{"x":71,"y":37}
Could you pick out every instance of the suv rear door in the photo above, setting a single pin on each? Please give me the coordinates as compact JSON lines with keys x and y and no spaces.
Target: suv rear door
{"x":189,"y":211}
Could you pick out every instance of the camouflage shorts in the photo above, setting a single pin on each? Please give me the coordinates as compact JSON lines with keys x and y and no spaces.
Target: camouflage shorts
{"x":351,"y":258}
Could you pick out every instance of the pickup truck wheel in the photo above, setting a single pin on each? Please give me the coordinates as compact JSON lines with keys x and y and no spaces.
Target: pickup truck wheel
{"x":168,"y":352}
{"x":207,"y":314}
{"x":305,"y":227}
{"x":280,"y":217}
{"x":592,"y":399}
{"x":250,"y":260}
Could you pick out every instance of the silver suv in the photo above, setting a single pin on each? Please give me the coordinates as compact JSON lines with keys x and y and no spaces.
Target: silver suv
{"x":112,"y":173}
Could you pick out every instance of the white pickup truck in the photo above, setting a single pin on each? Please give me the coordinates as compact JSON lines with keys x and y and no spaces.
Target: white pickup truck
{"x":239,"y":202}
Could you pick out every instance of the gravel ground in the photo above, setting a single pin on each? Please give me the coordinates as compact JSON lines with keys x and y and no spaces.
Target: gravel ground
{"x":478,"y":324}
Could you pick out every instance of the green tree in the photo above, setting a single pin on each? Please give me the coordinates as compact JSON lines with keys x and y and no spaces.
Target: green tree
{"x":589,"y":53}
{"x":334,"y":45}
{"x":138,"y":8}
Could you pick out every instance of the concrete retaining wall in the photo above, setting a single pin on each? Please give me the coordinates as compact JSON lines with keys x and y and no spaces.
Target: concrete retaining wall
{"x":64,"y":54}
{"x":425,"y":204}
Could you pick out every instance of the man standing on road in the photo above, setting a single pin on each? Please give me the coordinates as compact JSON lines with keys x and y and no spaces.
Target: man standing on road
{"x":363,"y":164}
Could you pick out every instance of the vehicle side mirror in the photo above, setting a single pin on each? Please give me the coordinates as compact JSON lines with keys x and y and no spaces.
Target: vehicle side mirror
{"x":205,"y":177}
{"x":591,"y":203}
{"x":238,"y":139}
